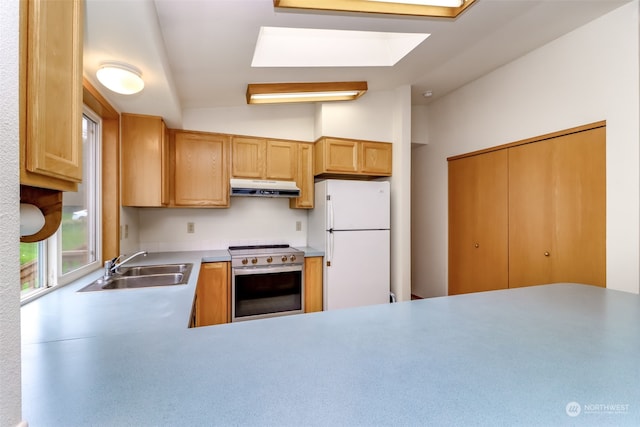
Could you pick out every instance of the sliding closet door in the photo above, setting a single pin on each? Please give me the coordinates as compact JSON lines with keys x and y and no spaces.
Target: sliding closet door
{"x":478,"y":212}
{"x":557,"y":210}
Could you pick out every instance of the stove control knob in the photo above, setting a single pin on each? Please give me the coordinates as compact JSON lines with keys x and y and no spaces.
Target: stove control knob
{"x":245,"y":261}
{"x":292,"y":258}
{"x":284,"y":258}
{"x":269,"y":260}
{"x":254,"y":261}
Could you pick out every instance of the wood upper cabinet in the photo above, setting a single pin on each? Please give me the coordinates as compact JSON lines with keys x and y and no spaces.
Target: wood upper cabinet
{"x":338,"y":156}
{"x":304,"y":178}
{"x":375,"y":158}
{"x":281,"y":160}
{"x":247,"y":157}
{"x":51,"y":93}
{"x":557,"y":227}
{"x":478,"y":214}
{"x":259,"y":158}
{"x":201,"y":169}
{"x":312,"y":284}
{"x":144,"y":161}
{"x":213,"y":294}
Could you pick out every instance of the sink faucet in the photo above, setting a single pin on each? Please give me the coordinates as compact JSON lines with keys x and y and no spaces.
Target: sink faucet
{"x":110,"y":266}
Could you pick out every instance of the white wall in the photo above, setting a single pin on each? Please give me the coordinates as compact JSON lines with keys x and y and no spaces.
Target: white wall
{"x":286,"y":121}
{"x":248,"y":221}
{"x":585,"y":76}
{"x":10,"y":379}
{"x":369,"y":117}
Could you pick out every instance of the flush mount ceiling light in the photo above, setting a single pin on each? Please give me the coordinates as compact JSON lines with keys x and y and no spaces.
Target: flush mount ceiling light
{"x":278,"y":93}
{"x":433,"y":8}
{"x":121,"y":78}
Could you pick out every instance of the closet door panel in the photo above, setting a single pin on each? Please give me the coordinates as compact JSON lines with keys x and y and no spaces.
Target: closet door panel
{"x":478,"y":213}
{"x":557,"y":209}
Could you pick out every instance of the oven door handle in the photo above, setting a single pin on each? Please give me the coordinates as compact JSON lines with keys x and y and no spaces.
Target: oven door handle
{"x":246,"y":271}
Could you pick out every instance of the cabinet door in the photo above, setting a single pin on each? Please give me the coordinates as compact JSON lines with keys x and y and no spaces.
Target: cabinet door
{"x":375,"y":158}
{"x":144,"y":160}
{"x":304,"y":178}
{"x":213,"y":297}
{"x":338,"y":155}
{"x":478,"y":213}
{"x":247,"y":157}
{"x":557,"y":210}
{"x":52,"y":141}
{"x":281,"y":160}
{"x":201,"y":169}
{"x":312,"y":284}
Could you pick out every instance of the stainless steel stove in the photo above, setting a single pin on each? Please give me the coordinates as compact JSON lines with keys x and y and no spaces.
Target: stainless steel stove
{"x":267,"y":281}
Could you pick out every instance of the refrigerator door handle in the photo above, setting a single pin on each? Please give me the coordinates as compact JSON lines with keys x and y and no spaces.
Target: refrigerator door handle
{"x":330,"y":249}
{"x":330,"y":212}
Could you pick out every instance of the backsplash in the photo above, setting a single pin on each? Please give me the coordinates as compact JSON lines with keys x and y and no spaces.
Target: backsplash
{"x":248,"y":221}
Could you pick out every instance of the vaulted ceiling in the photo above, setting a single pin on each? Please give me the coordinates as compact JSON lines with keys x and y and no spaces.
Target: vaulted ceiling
{"x":198,"y":53}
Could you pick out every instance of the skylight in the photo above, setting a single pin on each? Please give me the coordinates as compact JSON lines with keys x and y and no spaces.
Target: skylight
{"x":303,"y":47}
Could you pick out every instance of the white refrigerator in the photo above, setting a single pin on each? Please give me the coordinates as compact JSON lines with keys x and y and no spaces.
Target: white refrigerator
{"x":351,"y":223}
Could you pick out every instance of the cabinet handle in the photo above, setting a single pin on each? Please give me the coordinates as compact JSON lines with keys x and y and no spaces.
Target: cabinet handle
{"x":546,"y":253}
{"x":477,"y":245}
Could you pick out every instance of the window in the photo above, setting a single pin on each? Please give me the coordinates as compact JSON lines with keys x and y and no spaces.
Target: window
{"x":32,"y":260}
{"x":74,"y":250}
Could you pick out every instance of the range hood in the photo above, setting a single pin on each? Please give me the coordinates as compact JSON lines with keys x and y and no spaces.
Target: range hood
{"x":264,"y":188}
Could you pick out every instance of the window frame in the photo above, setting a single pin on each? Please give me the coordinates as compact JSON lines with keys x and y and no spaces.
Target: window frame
{"x":96,"y":221}
{"x":50,"y":250}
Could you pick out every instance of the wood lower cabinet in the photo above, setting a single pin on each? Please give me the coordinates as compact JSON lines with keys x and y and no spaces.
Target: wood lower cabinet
{"x":529,"y":213}
{"x":51,"y":93}
{"x":339,"y":156}
{"x":312,"y":284}
{"x":201,"y":169}
{"x":213,"y":295}
{"x":478,"y":227}
{"x":557,"y":200}
{"x":144,"y":161}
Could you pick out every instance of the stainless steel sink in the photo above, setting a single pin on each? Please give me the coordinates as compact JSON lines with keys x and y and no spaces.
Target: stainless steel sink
{"x":154,"y":269}
{"x":126,"y":282}
{"x":143,"y":277}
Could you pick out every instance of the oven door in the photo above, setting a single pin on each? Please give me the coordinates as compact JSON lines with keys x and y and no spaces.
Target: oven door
{"x":266,"y":292}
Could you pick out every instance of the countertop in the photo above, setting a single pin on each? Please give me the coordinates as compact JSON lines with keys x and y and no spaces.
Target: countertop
{"x":513,"y":357}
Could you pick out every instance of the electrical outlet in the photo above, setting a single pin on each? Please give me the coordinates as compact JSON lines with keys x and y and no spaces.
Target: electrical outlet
{"x":191,"y":227}
{"x":298,"y":225}
{"x":126,"y":231}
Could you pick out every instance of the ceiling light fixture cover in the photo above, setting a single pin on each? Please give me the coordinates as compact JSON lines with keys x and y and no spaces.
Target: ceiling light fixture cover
{"x":121,"y":78}
{"x":278,"y":93}
{"x":432,"y":8}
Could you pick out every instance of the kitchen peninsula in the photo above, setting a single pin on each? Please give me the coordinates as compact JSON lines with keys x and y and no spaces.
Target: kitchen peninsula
{"x":515,"y":357}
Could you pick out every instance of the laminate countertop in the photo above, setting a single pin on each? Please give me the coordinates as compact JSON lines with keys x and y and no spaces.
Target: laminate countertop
{"x":562,"y":354}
